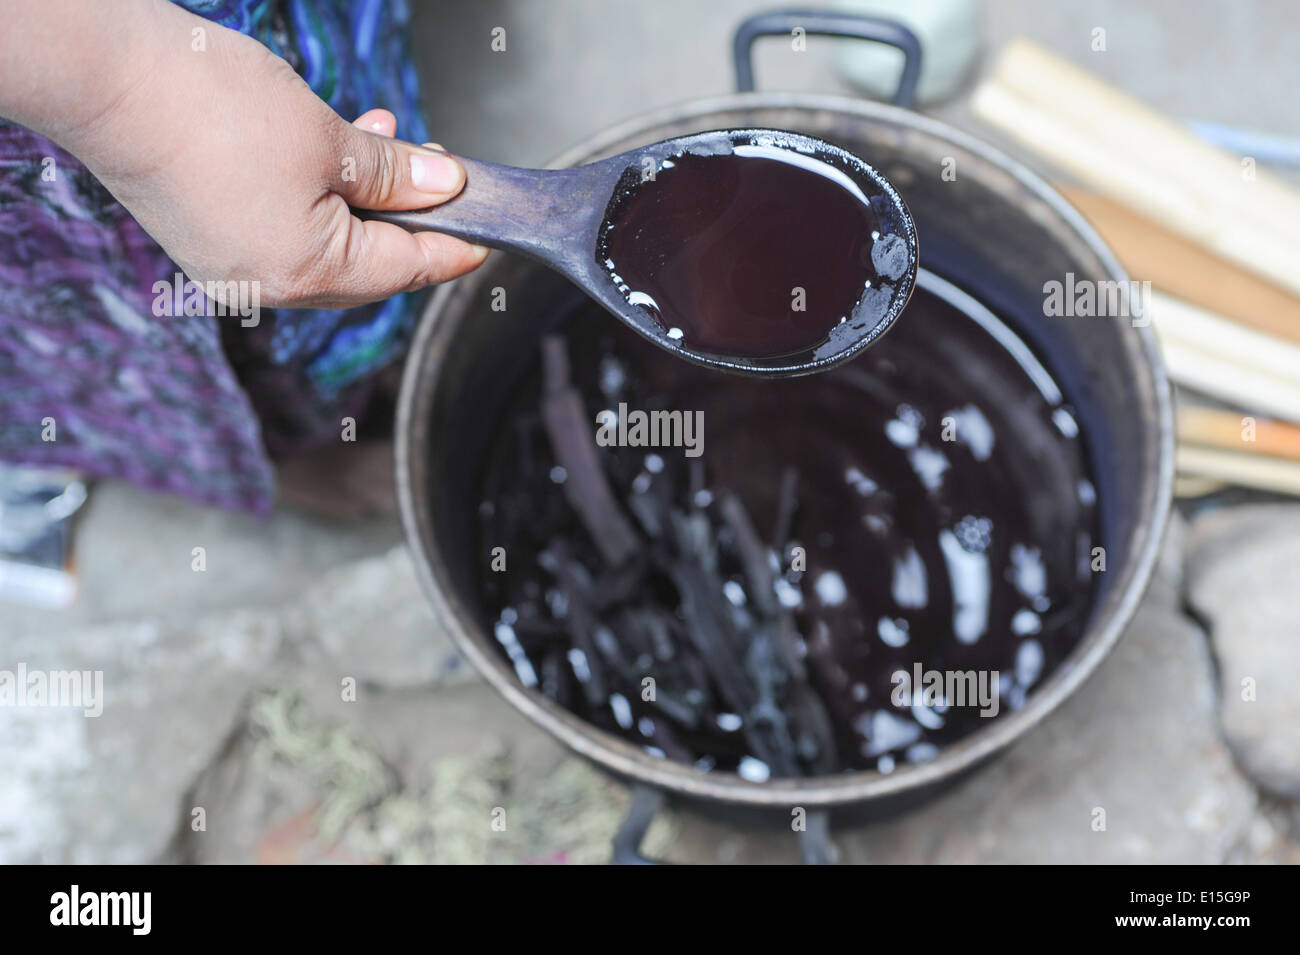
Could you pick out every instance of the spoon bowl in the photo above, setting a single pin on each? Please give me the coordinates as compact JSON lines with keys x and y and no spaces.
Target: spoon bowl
{"x":731,"y":249}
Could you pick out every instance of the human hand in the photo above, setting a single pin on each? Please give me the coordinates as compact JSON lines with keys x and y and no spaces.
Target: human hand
{"x":241,"y":173}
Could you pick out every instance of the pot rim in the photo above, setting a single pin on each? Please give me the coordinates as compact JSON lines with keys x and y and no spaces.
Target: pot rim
{"x":626,"y":759}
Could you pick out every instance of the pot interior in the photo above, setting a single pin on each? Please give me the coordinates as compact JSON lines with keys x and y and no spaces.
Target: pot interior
{"x":984,"y":226}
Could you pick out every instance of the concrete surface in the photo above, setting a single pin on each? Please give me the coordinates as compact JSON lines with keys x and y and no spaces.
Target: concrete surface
{"x":1243,"y":574}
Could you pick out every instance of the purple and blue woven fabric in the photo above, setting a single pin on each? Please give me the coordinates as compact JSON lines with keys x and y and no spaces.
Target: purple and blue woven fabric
{"x":193,"y":405}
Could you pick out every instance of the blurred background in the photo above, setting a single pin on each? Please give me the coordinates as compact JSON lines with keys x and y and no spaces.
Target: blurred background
{"x":225,"y":737}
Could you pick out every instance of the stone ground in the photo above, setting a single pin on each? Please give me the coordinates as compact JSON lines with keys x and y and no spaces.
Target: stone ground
{"x":295,"y":702}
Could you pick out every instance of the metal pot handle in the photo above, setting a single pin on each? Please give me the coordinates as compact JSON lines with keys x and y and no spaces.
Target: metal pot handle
{"x":814,"y":840}
{"x":826,"y":23}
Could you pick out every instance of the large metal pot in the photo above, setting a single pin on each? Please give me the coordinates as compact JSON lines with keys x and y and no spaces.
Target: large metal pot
{"x":996,"y":230}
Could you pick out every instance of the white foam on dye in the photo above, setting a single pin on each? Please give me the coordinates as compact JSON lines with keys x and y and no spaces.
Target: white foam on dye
{"x":921,"y":753}
{"x":971,"y":579}
{"x":755,"y":770}
{"x":1028,"y":573}
{"x":929,"y":466}
{"x":1029,"y":662}
{"x":1025,"y":622}
{"x":1087,"y":493}
{"x":622,"y":710}
{"x":612,"y":376}
{"x":830,"y":589}
{"x":876,"y":524}
{"x":974,"y":431}
{"x":909,"y":586}
{"x":900,"y":433}
{"x":860,"y":482}
{"x":787,"y":594}
{"x":885,"y":731}
{"x":974,"y":533}
{"x":927,"y":716}
{"x":578,"y":660}
{"x":893,"y":632}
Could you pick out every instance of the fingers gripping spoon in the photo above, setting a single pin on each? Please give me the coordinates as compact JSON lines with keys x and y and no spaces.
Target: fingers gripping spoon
{"x":754,"y":251}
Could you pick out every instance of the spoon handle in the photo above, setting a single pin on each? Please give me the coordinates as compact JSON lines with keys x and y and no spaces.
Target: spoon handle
{"x":542,"y":213}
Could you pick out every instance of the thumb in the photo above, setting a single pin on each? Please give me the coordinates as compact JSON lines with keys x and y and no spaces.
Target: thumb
{"x":382,"y":173}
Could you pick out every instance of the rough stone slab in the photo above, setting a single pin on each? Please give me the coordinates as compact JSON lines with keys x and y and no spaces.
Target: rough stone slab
{"x":374,"y":621}
{"x":1243,"y":579}
{"x":134,"y":559}
{"x":1273,"y":837}
{"x":109,"y":789}
{"x":305,"y":786}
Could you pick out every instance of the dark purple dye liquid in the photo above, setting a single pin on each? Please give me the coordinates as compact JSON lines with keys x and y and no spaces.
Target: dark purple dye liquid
{"x":944,"y":508}
{"x":759,"y":253}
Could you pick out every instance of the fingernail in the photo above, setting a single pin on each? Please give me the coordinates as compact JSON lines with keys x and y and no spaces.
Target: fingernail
{"x":481,"y":250}
{"x":432,"y":173}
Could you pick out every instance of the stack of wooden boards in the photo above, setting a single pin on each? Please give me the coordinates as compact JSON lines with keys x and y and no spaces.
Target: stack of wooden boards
{"x":1217,"y":238}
